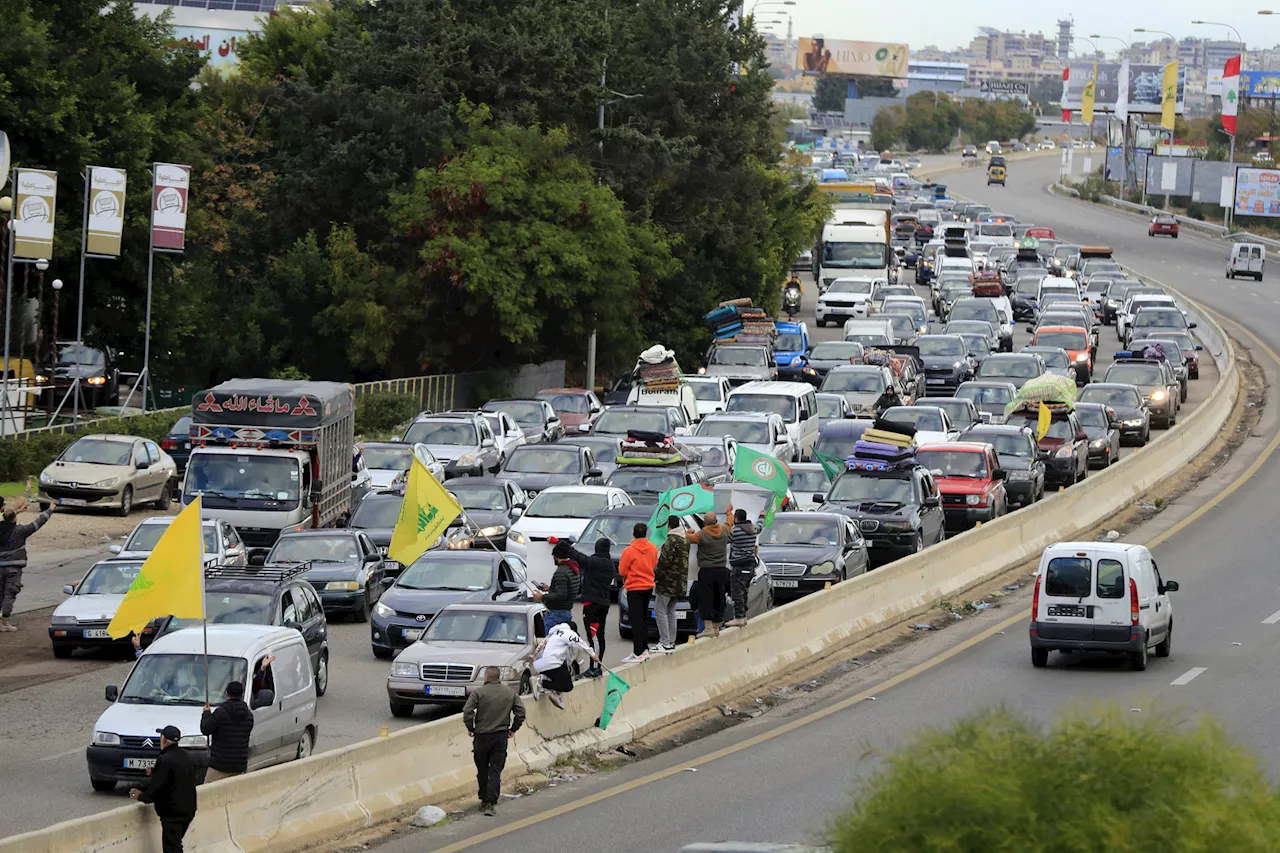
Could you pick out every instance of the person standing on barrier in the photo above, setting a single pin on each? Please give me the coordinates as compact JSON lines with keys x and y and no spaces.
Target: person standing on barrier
{"x":598,"y":576}
{"x":171,"y":789}
{"x":742,"y":564}
{"x":492,"y":714}
{"x":670,"y":583}
{"x":713,"y":572}
{"x":636,"y":566}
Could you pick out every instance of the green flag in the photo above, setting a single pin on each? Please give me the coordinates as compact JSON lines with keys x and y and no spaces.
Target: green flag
{"x":761,"y":469}
{"x":613,"y":694}
{"x":686,"y":500}
{"x":830,"y":465}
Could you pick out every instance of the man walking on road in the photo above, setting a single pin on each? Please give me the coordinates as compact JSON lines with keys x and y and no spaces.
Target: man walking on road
{"x":493,"y":714}
{"x":13,"y":557}
{"x":636,"y":567}
{"x":228,"y":729}
{"x":742,"y":564}
{"x":670,"y":582}
{"x":713,"y":572}
{"x":598,"y":574}
{"x":171,"y":789}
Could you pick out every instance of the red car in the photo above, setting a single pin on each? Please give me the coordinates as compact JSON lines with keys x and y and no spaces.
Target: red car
{"x":970,"y":479}
{"x":1040,"y":232}
{"x":1163,"y":223}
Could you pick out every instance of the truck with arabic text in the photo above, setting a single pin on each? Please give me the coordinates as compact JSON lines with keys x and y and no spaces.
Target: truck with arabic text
{"x":271,"y":455}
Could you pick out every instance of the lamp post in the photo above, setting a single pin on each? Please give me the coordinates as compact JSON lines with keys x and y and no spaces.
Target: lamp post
{"x":56,"y":284}
{"x":1088,"y":156}
{"x":761,"y":3}
{"x":1124,"y":131}
{"x":1231,"y":155}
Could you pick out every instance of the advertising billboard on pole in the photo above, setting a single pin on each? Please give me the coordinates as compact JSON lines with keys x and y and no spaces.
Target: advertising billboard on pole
{"x":106,"y":211}
{"x":1257,"y":192}
{"x":1145,"y":87}
{"x":1260,"y":84}
{"x":866,"y":58}
{"x":169,"y":206}
{"x":33,"y":210}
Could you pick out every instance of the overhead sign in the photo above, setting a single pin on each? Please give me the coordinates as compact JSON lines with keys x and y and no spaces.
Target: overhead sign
{"x":1003,"y":87}
{"x":106,"y":211}
{"x":839,"y":56}
{"x":1257,"y":191}
{"x":169,"y":193}
{"x":33,"y":210}
{"x":1260,"y":84}
{"x":1145,"y":87}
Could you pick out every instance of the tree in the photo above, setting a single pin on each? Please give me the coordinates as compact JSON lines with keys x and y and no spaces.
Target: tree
{"x":1098,"y":781}
{"x":873,"y":87}
{"x":932,"y":121}
{"x":1046,"y":91}
{"x":829,"y":94}
{"x":887,"y":127}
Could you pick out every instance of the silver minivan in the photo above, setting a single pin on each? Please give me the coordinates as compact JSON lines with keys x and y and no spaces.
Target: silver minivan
{"x":166,"y":687}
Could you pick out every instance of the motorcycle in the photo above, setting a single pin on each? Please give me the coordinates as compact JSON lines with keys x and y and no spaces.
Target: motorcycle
{"x":791,"y":300}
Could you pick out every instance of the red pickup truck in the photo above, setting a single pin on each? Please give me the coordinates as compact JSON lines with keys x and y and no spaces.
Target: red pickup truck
{"x":970,"y":479}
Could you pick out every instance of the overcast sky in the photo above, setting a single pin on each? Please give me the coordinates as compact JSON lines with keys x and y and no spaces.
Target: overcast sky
{"x":953,"y":23}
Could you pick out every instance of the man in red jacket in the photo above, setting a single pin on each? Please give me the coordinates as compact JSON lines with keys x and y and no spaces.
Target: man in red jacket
{"x":636,"y":566}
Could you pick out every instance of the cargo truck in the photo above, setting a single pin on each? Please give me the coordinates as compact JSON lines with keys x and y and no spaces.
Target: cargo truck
{"x":271,"y":455}
{"x":856,"y":239}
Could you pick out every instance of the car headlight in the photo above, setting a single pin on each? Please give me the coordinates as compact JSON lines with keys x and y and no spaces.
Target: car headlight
{"x":344,"y":586}
{"x":517,"y":537}
{"x":491,"y":532}
{"x":100,"y":380}
{"x":105,"y":739}
{"x":1133,"y":422}
{"x":110,"y":481}
{"x":1098,"y":443}
{"x":466,"y":459}
{"x":40,"y":377}
{"x":1158,"y":395}
{"x":1082,"y":357}
{"x":973,"y":500}
{"x":958,"y":364}
{"x":404,"y":669}
{"x":797,"y":361}
{"x":64,"y":620}
{"x":1064,"y":452}
{"x":46,"y":477}
{"x":895,"y":526}
{"x":826,"y":568}
{"x":507,"y":673}
{"x":383,"y":610}
{"x":194,"y":742}
{"x":1018,"y":474}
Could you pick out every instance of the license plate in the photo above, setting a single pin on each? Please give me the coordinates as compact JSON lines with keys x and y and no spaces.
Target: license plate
{"x":73,"y":502}
{"x":785,"y":584}
{"x":438,"y":690}
{"x":139,"y":763}
{"x":1074,"y":610}
{"x":412,"y":634}
{"x":186,"y":445}
{"x":96,"y":634}
{"x":934,"y":381}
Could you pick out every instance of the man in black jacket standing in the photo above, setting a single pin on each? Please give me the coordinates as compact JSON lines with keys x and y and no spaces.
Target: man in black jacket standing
{"x":228,"y":729}
{"x":172,"y":790}
{"x":565,"y":587}
{"x":598,"y":576}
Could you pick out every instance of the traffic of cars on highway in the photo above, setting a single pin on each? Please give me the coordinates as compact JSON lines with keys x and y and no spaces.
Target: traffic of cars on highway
{"x":980,"y":341}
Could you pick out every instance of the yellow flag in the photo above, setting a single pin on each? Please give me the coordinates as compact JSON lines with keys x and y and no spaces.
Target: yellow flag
{"x":171,"y":581}
{"x":1042,"y":423}
{"x":1169,"y":95}
{"x":1086,"y":98}
{"x":426,"y":511}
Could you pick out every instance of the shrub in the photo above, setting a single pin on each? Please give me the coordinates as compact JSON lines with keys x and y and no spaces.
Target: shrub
{"x":27,"y":457}
{"x":382,"y":413}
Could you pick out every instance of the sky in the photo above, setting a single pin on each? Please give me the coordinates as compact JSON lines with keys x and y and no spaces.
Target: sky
{"x":951,"y":24}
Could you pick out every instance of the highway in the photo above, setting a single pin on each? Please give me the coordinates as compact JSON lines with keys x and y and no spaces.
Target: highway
{"x":782,"y":776}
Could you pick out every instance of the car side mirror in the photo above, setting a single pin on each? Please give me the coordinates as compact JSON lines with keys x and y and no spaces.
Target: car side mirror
{"x":509,"y":586}
{"x":595,"y":472}
{"x":486,"y":442}
{"x":1000,"y":474}
{"x":142,"y":466}
{"x":264,"y":698}
{"x":933,"y":500}
{"x":681,"y":430}
{"x":68,"y":590}
{"x":819,"y":497}
{"x":1169,"y":586}
{"x":371,"y":558}
{"x":1191,"y":325}
{"x":112,"y":693}
{"x":290,"y":623}
{"x":258,"y":557}
{"x":1082,"y":436}
{"x":115,"y":549}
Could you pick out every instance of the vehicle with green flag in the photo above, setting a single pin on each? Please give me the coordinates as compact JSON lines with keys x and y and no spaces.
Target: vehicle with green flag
{"x":762,"y":469}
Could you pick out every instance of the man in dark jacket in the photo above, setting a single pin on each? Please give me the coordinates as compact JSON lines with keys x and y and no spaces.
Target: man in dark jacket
{"x":599,"y":576}
{"x":13,"y":557}
{"x":172,"y":790}
{"x":565,"y":587}
{"x":887,"y":400}
{"x":228,"y":729}
{"x":493,"y":713}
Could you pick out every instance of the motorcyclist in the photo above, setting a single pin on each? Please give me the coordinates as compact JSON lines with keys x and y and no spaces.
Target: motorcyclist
{"x":887,"y":400}
{"x":791,"y":294}
{"x":793,"y":281}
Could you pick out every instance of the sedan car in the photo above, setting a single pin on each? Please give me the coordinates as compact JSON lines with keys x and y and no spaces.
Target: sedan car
{"x":577,"y":408}
{"x":947,"y":363}
{"x":1187,"y":346}
{"x":1019,"y":458}
{"x":860,"y":384}
{"x":562,"y":512}
{"x":344,"y":566}
{"x":535,"y":467}
{"x":222,"y":545}
{"x":536,"y":418}
{"x":493,"y":505}
{"x":1164,"y":224}
{"x":1104,"y":433}
{"x":762,"y":432}
{"x":826,"y":355}
{"x":463,"y":441}
{"x":1056,"y":361}
{"x":1154,"y":380}
{"x":1150,"y":347}
{"x":111,"y":472}
{"x":436,"y":580}
{"x":1125,"y":402}
{"x":808,"y":551}
{"x":461,"y":642}
{"x":389,"y":461}
{"x":1012,"y":367}
{"x":81,"y":621}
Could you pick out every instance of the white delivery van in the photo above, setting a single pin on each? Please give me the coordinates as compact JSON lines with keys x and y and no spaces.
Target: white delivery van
{"x":1100,"y":597}
{"x":681,"y":398}
{"x":795,"y":402}
{"x":1247,"y":259}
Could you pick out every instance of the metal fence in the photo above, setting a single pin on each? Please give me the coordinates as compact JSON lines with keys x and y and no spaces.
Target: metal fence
{"x":433,"y":393}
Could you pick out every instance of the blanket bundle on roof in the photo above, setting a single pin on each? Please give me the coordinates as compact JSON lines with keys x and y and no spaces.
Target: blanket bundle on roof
{"x":739,"y":321}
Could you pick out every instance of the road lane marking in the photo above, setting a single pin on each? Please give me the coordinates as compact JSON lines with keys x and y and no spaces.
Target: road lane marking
{"x":1272,"y":619}
{"x":1188,"y":676}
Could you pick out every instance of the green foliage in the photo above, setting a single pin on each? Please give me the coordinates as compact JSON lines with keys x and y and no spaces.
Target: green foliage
{"x":290,"y":373}
{"x":1092,"y":782}
{"x":1047,"y":92}
{"x":20,"y":458}
{"x":874,"y":87}
{"x":931,"y":121}
{"x":981,"y":120}
{"x":829,"y":94}
{"x":384,"y":412}
{"x":887,"y":128}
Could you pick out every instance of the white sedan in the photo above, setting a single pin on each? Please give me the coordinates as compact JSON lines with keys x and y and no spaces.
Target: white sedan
{"x":931,"y":422}
{"x":222,"y":544}
{"x":387,"y":461}
{"x":559,"y":511}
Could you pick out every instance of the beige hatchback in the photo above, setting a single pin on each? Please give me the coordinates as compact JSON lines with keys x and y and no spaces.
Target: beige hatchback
{"x":110,"y":472}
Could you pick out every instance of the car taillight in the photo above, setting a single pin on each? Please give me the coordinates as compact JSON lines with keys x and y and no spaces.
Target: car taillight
{"x":168,"y":444}
{"x":1133,"y":601}
{"x":1035,"y":602}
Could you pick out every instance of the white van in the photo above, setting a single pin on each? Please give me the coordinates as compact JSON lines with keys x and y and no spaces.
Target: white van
{"x":869,"y":326}
{"x":795,"y":402}
{"x":1100,"y":597}
{"x":681,"y":398}
{"x":166,"y":687}
{"x":1247,"y":259}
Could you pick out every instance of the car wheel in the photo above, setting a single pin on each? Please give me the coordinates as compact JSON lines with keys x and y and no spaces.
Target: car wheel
{"x":919,"y":543}
{"x":1146,"y":435}
{"x":162,"y":502}
{"x":1039,"y":658}
{"x":63,"y":652}
{"x":1138,"y":660}
{"x":126,"y":501}
{"x":322,"y":674}
{"x":401,"y":709}
{"x":1175,"y":236}
{"x":381,"y":654}
{"x":1165,"y":646}
{"x":306,"y":744}
{"x":624,"y":633}
{"x":362,"y":612}
{"x":1229,"y":275}
{"x":1182,"y":397}
{"x":103,"y":786}
{"x":1084,"y":471}
{"x":526,"y":684}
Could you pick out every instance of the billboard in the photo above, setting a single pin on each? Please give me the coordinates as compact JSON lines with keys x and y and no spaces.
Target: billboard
{"x":218,"y":46}
{"x":1213,"y":83}
{"x":1260,"y":84}
{"x":106,"y":211}
{"x":1003,"y":87}
{"x":838,"y":56}
{"x":1145,"y":85}
{"x":1257,"y":191}
{"x":169,"y":190}
{"x":33,"y":212}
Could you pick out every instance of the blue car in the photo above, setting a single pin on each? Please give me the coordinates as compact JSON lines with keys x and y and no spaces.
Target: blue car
{"x":791,"y":354}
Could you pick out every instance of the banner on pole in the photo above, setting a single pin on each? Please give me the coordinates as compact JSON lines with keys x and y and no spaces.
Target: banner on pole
{"x":105,"y":215}
{"x":37,"y":191}
{"x":169,"y":192}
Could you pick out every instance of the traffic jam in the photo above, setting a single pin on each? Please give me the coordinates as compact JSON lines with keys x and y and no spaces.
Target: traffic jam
{"x":960,"y":367}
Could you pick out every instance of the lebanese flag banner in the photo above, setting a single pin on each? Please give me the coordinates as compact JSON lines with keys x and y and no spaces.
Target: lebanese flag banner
{"x":1066,"y":113}
{"x":1230,"y":94}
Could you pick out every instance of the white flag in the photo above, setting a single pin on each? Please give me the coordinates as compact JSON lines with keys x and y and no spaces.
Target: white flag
{"x":1122,"y":93}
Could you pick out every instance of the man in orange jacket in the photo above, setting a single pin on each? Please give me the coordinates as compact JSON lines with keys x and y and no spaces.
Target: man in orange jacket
{"x":636,"y":566}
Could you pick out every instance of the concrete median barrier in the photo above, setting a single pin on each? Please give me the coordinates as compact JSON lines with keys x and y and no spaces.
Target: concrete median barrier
{"x":297,"y":805}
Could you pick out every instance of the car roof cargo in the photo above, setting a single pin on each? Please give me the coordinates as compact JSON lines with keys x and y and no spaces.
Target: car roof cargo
{"x":1095,"y":252}
{"x":277,"y":403}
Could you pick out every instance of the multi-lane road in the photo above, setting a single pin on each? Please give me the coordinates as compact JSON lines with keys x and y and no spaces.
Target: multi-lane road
{"x":786,"y":782}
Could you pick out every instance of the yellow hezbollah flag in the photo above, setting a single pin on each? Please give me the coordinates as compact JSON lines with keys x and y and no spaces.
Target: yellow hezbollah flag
{"x":426,"y":511}
{"x":1042,"y":422}
{"x":1086,"y":98}
{"x":1169,"y":95}
{"x":171,"y":581}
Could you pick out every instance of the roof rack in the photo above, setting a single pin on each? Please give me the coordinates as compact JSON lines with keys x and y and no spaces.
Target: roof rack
{"x":269,"y":574}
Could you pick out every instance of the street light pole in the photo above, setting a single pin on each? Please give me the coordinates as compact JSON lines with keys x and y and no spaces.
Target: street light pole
{"x":1231,"y":152}
{"x":56,"y":284}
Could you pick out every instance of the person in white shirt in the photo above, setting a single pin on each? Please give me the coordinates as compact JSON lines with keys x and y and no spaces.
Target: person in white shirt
{"x":552,"y":657}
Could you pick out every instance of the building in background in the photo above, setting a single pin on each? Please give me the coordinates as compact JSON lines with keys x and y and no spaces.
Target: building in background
{"x":214,"y":26}
{"x":1065,"y":27}
{"x":924,"y":75}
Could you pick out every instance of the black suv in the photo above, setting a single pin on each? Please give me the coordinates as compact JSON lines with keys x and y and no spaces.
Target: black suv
{"x":1019,"y":457}
{"x":898,"y":512}
{"x":99,"y":375}
{"x":251,"y":595}
{"x":1064,"y":448}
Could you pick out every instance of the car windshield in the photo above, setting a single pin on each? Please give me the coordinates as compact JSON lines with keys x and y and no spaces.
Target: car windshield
{"x":912,"y":309}
{"x":616,"y":528}
{"x":573,"y":403}
{"x":708,"y":392}
{"x":1157,"y":318}
{"x":830,"y":407}
{"x":244,"y":476}
{"x":1028,"y":285}
{"x":382,"y":458}
{"x":857,"y":256}
{"x":146,"y":536}
{"x":954,"y":463}
{"x":858,"y":381}
{"x":974,"y":311}
{"x":1019,"y":368}
{"x":181,"y":427}
{"x":1053,"y":357}
{"x":769,"y":404}
{"x":929,"y":420}
{"x":173,"y":679}
{"x":97,"y":451}
{"x":434,"y":571}
{"x":108,"y":579}
{"x":853,"y":487}
{"x":478,"y":626}
{"x":1005,"y":444}
{"x":835,"y":351}
{"x":483,"y":496}
{"x":380,"y":512}
{"x":959,"y":412}
{"x":747,"y":432}
{"x":462,"y":433}
{"x":941,"y":346}
{"x":1141,"y":375}
{"x":232,"y":608}
{"x":616,"y":423}
{"x":806,"y":481}
{"x":979,"y":344}
{"x":845,"y":285}
{"x":341,"y":548}
{"x":789,"y":342}
{"x":980,"y":248}
{"x":1092,"y":417}
{"x":1063,"y":340}
{"x":81,"y":356}
{"x":566,"y":505}
{"x":524,"y":412}
{"x":868,"y":340}
{"x":796,"y":530}
{"x":544,"y":460}
{"x":1059,"y":428}
{"x":738,"y":356}
{"x":1111,"y":396}
{"x":995,"y":230}
{"x":981,"y":327}
{"x":635,"y":479}
{"x":713,"y":455}
{"x":1181,"y":340}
